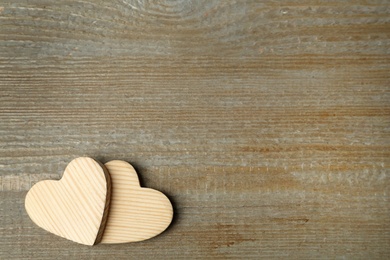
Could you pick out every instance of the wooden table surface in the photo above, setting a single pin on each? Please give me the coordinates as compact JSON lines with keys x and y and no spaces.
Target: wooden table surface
{"x":267,"y":123}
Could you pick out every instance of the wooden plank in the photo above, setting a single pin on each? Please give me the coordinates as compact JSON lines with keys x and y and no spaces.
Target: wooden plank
{"x":265,"y":123}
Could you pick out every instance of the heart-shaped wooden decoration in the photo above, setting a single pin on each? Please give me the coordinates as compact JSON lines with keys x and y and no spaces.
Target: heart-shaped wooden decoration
{"x":136,"y":213}
{"x":76,"y":206}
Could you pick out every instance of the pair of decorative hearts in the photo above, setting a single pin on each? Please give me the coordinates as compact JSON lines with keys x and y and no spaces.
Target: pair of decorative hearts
{"x":95,"y":203}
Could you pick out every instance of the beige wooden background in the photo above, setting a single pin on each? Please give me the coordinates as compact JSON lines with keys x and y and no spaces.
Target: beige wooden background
{"x":267,"y":123}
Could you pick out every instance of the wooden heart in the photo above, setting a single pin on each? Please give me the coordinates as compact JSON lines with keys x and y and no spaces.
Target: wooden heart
{"x":136,"y":213}
{"x":76,"y":206}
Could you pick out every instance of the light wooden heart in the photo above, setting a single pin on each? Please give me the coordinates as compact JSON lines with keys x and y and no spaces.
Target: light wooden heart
{"x":76,"y":206}
{"x":136,"y":213}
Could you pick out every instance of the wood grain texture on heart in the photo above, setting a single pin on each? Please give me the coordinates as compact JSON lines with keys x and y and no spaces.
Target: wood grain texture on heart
{"x":136,"y":213}
{"x":76,"y":206}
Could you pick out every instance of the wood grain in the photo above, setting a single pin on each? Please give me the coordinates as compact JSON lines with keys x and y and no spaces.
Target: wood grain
{"x":266,"y":123}
{"x":136,"y":213}
{"x":76,"y":206}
